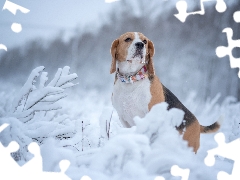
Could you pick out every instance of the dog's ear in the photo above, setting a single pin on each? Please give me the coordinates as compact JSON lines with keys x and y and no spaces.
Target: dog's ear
{"x":151,"y":50}
{"x":113,"y":51}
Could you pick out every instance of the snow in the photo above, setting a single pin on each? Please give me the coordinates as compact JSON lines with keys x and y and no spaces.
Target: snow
{"x":85,"y":129}
{"x":87,"y":132}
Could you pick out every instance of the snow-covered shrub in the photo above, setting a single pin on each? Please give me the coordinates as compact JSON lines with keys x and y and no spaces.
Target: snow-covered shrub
{"x":32,"y":116}
{"x":150,"y":148}
{"x":31,"y":99}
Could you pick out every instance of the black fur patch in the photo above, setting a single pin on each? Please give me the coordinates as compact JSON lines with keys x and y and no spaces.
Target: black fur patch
{"x":210,"y":128}
{"x":173,"y":102}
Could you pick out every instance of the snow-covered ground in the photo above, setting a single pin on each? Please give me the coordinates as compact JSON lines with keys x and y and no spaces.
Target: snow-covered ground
{"x":87,"y":132}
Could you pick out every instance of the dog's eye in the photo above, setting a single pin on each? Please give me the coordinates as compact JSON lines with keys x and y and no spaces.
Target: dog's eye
{"x":145,"y":41}
{"x":128,"y":40}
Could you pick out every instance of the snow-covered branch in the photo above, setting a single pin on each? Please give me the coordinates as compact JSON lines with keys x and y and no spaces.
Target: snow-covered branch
{"x":21,"y":97}
{"x":31,"y":99}
{"x":63,"y":79}
{"x":33,"y":116}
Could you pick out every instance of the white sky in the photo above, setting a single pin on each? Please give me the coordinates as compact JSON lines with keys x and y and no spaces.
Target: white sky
{"x":47,"y":17}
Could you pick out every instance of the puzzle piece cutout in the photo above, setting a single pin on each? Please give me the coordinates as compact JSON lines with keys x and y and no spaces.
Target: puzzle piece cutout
{"x":16,"y":27}
{"x":2,"y":127}
{"x":35,"y":166}
{"x":7,"y":163}
{"x":228,"y":150}
{"x":12,"y":7}
{"x":111,"y":1}
{"x":222,"y":51}
{"x":32,"y":169}
{"x":2,"y":46}
{"x":177,"y":171}
{"x":159,"y":178}
{"x":86,"y":178}
{"x":182,"y":9}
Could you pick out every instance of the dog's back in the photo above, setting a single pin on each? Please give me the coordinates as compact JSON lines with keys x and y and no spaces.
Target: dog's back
{"x":189,"y":118}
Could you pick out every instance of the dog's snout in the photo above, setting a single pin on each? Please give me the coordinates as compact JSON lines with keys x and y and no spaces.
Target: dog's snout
{"x":139,"y":45}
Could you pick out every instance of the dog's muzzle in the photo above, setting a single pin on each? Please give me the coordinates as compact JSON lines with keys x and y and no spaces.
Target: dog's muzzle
{"x":139,"y":45}
{"x":139,"y":50}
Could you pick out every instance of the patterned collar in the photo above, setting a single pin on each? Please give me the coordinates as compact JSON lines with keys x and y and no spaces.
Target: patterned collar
{"x":141,"y":74}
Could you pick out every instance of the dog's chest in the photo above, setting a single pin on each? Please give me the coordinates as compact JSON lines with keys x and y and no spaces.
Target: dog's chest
{"x":131,"y":100}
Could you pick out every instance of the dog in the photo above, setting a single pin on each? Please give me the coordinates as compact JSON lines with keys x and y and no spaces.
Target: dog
{"x":137,"y":89}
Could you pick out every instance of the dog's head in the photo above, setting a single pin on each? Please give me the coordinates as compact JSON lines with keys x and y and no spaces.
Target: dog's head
{"x":131,"y":50}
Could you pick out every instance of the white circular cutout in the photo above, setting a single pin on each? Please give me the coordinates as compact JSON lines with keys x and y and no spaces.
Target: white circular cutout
{"x":221,"y":6}
{"x":110,"y":1}
{"x":86,"y":178}
{"x":159,"y":178}
{"x":17,"y":28}
{"x":2,"y":46}
{"x":209,"y":160}
{"x":236,"y":16}
{"x":64,"y":165}
{"x":13,"y":146}
{"x":221,"y":51}
{"x":181,"y":6}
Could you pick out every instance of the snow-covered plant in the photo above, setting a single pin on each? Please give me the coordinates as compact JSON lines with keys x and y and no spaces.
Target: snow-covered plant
{"x":31,"y":99}
{"x":148,"y":149}
{"x":85,"y":140}
{"x":33,"y":116}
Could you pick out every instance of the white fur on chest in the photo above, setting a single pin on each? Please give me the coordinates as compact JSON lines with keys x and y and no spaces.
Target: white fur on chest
{"x":131,"y":100}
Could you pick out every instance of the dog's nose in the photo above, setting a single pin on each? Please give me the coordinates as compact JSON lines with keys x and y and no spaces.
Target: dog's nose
{"x":139,"y":45}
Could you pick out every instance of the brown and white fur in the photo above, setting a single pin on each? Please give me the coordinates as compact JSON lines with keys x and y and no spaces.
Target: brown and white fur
{"x":130,"y":52}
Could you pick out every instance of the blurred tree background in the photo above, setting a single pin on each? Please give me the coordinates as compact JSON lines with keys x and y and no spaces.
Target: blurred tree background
{"x":185,"y":58}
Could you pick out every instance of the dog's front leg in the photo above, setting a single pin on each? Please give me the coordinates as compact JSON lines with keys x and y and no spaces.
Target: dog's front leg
{"x":124,"y":123}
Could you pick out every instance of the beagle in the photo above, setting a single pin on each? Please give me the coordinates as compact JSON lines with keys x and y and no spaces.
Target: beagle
{"x":137,"y":89}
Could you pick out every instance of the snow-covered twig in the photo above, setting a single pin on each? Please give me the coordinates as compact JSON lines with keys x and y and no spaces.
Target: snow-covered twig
{"x":108,"y":126}
{"x":105,"y":125}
